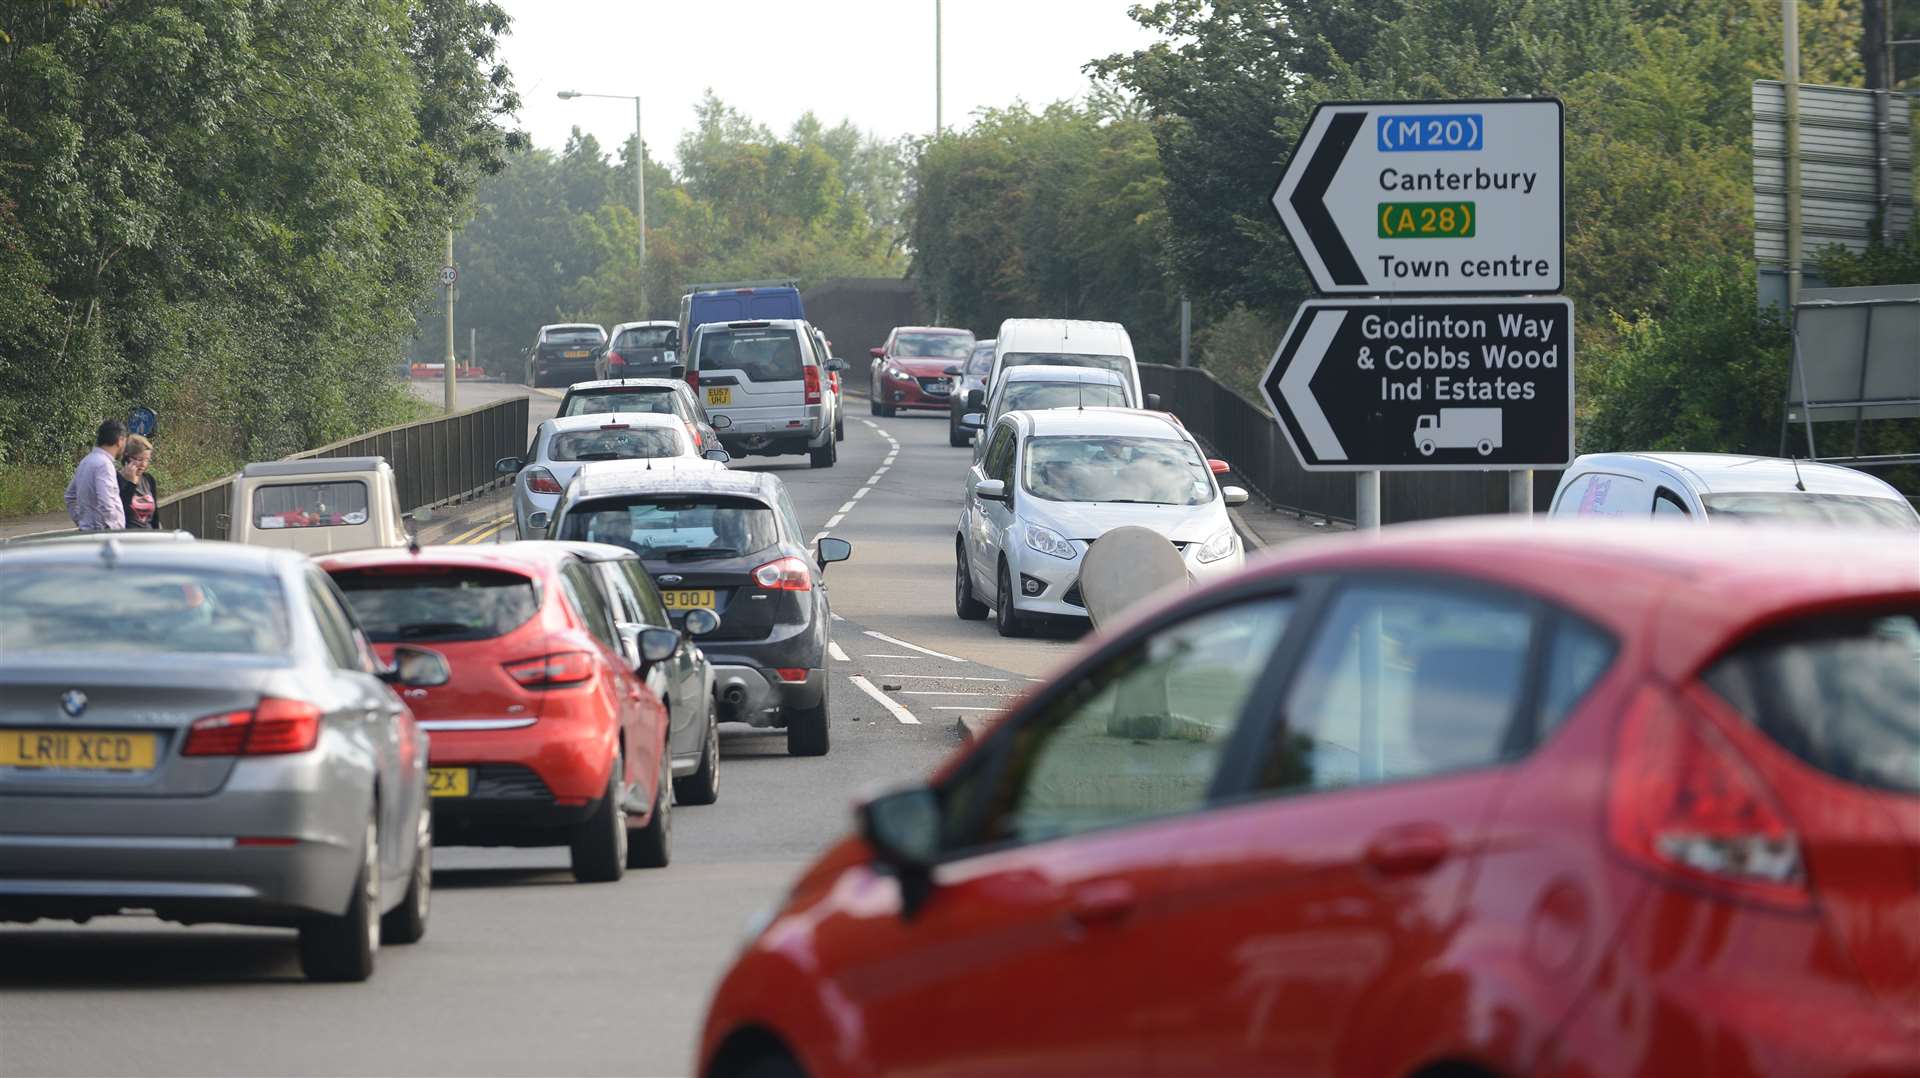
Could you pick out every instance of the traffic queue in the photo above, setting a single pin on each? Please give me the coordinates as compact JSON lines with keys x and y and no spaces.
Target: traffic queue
{"x":1457,"y":798}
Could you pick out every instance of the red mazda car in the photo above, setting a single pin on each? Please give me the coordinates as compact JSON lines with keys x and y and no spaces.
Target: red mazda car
{"x":547,"y":733}
{"x":910,"y":370}
{"x":1470,"y":799}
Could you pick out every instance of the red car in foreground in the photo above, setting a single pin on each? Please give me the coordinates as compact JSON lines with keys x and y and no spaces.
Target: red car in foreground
{"x":546,"y":734}
{"x":1471,"y":799}
{"x":910,"y":370}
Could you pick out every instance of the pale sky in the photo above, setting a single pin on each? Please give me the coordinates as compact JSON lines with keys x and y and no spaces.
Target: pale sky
{"x":870,"y":61}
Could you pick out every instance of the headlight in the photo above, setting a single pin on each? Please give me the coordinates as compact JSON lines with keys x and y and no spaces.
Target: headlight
{"x":899,"y":375}
{"x":1220,"y":546}
{"x":1048,"y":541}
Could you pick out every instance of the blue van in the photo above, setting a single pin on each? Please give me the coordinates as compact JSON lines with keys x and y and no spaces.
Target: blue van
{"x":750,"y":301}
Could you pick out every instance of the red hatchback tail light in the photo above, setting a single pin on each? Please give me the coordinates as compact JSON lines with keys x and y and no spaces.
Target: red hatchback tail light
{"x":541,"y":481}
{"x":812,"y":376}
{"x":1685,"y":803}
{"x":552,"y":671}
{"x":275,"y":728}
{"x":786,"y":574}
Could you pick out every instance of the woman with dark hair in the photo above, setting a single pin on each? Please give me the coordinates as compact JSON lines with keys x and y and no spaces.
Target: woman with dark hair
{"x":138,"y":495}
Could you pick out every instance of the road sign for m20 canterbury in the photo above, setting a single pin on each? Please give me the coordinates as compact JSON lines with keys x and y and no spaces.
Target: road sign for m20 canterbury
{"x":1427,"y":384}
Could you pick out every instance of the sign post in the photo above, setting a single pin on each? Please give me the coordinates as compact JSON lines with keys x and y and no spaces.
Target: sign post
{"x":1410,"y":202}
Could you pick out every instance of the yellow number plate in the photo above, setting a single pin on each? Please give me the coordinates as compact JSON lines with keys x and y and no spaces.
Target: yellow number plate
{"x":449,"y":782}
{"x":78,"y":750}
{"x":719,"y":395}
{"x":582,"y":354}
{"x":687,"y":600}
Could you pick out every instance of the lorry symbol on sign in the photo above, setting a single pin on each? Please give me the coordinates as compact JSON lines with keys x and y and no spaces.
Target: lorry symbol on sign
{"x":1459,"y":428}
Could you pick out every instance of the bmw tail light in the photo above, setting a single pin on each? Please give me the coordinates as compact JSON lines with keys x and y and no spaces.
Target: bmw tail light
{"x":276,"y":727}
{"x":541,"y":481}
{"x":812,"y":375}
{"x":1685,"y":803}
{"x":552,"y":671}
{"x":786,"y":574}
{"x":218,"y":735}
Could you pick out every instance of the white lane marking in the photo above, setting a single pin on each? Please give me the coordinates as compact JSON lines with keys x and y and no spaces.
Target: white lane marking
{"x":893,"y":709}
{"x":839,"y":656}
{"x":834,"y":521}
{"x":837,"y":617}
{"x":944,"y":677}
{"x":876,"y":655}
{"x":862,"y":492}
{"x":882,"y":471}
{"x":847,"y":508}
{"x":966,"y":709}
{"x":914,"y":647}
{"x":945,"y":692}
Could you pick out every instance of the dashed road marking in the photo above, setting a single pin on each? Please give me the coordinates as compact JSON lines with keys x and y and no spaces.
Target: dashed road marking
{"x":952,"y":708}
{"x":847,"y":508}
{"x":945,"y":677}
{"x":914,"y":647}
{"x":943,"y":692}
{"x":839,"y":656}
{"x":877,"y":655}
{"x":893,"y":708}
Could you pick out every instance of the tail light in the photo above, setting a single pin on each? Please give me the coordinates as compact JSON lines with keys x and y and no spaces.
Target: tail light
{"x":812,"y":375}
{"x":693,"y":379}
{"x":1684,"y":803}
{"x":615,"y":359}
{"x":552,"y":671}
{"x":694,"y":433}
{"x":786,"y":574}
{"x":274,"y":728}
{"x":541,"y":481}
{"x":1217,"y":466}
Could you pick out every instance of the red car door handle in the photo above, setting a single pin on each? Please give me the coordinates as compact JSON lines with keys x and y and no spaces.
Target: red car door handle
{"x":1409,"y":852}
{"x":1105,"y":900}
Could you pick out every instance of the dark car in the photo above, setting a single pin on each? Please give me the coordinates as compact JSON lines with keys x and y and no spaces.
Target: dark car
{"x":727,"y":542}
{"x":641,"y":350}
{"x":969,"y":392}
{"x":564,"y":353}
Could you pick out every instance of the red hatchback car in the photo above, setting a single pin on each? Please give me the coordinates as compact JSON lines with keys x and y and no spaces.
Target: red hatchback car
{"x":545,"y":735}
{"x":1462,"y":800}
{"x":910,"y":370}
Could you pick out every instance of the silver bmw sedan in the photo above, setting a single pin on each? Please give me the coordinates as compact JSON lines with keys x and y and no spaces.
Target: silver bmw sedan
{"x":199,"y":730}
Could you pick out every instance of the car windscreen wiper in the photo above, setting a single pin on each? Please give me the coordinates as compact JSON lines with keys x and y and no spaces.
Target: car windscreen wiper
{"x":600,"y":456}
{"x":695,"y":553}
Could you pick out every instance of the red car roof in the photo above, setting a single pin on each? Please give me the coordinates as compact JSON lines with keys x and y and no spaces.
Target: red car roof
{"x":530,"y":556}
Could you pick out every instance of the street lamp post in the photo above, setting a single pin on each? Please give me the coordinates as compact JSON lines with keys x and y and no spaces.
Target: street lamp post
{"x":640,"y":179}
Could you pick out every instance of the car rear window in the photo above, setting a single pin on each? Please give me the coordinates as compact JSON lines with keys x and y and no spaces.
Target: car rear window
{"x":935,"y":345}
{"x":331,"y":504}
{"x":1034,"y":396}
{"x":644,"y":338}
{"x":982,"y":362}
{"x":676,"y":528}
{"x":413,"y":604}
{"x":1841,"y":693}
{"x":115,"y":610}
{"x":1064,"y":359}
{"x":573,"y":335}
{"x":1835,"y":510}
{"x":614,"y":443}
{"x":658,"y":400}
{"x":763,"y":355}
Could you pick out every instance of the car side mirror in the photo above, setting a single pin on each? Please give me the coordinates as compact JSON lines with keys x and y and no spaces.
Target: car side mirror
{"x":832,"y":550}
{"x":903,"y":829}
{"x":677,"y":371}
{"x":1153,"y":402}
{"x":877,"y":353}
{"x":720,"y":455}
{"x":976,"y":397}
{"x":993,"y":490}
{"x":419,"y":668}
{"x":836,"y":364}
{"x":952,"y":372}
{"x":509,"y":465}
{"x":720,"y":422}
{"x":658,"y":645}
{"x":974,"y":421}
{"x":1234,"y":495}
{"x":700,"y":621}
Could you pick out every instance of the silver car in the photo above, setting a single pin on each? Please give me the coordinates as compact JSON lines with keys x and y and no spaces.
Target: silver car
{"x":1053,"y":482}
{"x":199,"y":730}
{"x":561,"y":446}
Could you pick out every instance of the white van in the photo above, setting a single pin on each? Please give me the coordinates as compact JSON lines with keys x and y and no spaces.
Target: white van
{"x":1065,"y":342}
{"x":769,"y":378}
{"x":1709,"y":487}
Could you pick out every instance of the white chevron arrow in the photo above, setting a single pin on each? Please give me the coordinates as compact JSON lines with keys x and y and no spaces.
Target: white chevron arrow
{"x":1296,"y":386}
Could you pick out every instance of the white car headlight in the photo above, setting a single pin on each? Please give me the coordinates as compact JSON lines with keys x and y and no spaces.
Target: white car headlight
{"x":1220,"y":546}
{"x":1048,"y":541}
{"x":899,"y":375}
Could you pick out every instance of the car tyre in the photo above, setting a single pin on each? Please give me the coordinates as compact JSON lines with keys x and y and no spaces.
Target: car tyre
{"x":965,"y":604}
{"x":839,"y":428}
{"x":407,"y":922}
{"x":823,"y":456}
{"x":600,"y":844}
{"x":652,"y":845}
{"x":807,"y":730}
{"x":342,"y":948}
{"x":1005,"y":618}
{"x":703,"y":786}
{"x":873,"y":405}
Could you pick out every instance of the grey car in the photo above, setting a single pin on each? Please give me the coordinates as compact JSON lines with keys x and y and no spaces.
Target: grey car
{"x":199,"y":730}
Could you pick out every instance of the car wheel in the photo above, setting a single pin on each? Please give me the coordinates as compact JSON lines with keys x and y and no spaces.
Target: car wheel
{"x":600,"y":844}
{"x":807,"y":732}
{"x":873,"y":404}
{"x":1005,"y":617}
{"x":703,"y":786}
{"x":652,"y":847}
{"x":342,"y":948}
{"x":964,"y":604}
{"x":824,"y":456}
{"x":407,"y":922}
{"x":839,"y":428}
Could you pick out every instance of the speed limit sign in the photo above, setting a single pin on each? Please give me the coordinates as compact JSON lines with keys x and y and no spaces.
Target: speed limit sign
{"x":448,"y":275}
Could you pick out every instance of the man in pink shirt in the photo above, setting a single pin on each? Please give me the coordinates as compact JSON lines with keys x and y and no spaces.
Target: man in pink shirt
{"x":93,"y":496}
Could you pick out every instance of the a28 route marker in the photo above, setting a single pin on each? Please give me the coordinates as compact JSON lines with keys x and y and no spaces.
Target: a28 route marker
{"x":1409,"y":201}
{"x":1428,"y":198}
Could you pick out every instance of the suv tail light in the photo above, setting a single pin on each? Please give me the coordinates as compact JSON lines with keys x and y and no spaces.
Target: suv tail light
{"x":552,"y":671}
{"x":786,"y":574}
{"x":693,"y":379}
{"x":275,"y":727}
{"x":541,"y":481}
{"x":615,"y":359}
{"x":693,"y":432}
{"x":812,"y":375}
{"x":1686,"y":804}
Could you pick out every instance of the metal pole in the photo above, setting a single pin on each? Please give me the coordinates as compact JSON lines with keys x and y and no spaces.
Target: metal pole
{"x":1790,"y":15}
{"x":640,"y":183}
{"x":1879,"y":19}
{"x":449,"y":362}
{"x":1366,"y":501}
{"x":473,"y":347}
{"x":1520,"y":492}
{"x":1186,"y":331}
{"x":938,"y":82}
